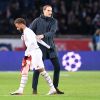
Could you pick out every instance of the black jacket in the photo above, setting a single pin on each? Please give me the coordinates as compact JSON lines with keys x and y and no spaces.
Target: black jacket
{"x":48,"y":27}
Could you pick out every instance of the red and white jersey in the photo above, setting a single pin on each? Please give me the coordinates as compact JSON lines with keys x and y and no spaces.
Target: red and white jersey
{"x":33,"y":49}
{"x":29,"y":38}
{"x":30,"y":41}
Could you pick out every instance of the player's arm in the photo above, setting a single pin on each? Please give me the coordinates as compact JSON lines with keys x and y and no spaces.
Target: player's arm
{"x":29,"y":43}
{"x":43,"y":43}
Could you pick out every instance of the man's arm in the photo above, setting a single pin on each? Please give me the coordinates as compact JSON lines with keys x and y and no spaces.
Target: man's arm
{"x":33,"y":25}
{"x":53,"y":29}
{"x":51,"y":32}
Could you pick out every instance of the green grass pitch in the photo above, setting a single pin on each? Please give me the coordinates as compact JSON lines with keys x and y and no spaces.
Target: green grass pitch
{"x":82,"y":85}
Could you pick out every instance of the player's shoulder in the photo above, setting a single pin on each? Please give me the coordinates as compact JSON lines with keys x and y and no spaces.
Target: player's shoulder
{"x":28,"y":30}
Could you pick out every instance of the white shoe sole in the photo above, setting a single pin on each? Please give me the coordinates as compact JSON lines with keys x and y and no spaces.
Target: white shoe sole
{"x":53,"y":93}
{"x":15,"y":93}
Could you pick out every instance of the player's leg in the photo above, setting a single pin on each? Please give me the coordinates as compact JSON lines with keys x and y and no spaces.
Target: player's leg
{"x":23,"y":82}
{"x":24,"y":76}
{"x":56,"y":65}
{"x":48,"y":80}
{"x":37,"y":58}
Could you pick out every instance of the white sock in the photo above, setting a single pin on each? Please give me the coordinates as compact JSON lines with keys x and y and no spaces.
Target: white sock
{"x":23,"y":82}
{"x":47,"y":78}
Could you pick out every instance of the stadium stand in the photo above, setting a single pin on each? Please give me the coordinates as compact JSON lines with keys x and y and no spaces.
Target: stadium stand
{"x":75,"y":16}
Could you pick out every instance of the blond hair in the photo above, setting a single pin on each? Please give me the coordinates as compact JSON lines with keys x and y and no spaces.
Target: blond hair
{"x":44,"y":7}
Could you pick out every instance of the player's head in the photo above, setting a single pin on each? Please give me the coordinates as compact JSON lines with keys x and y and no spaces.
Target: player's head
{"x":47,"y":10}
{"x":20,"y":23}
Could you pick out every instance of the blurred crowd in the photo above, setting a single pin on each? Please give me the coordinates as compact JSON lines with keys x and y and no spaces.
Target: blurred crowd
{"x":74,"y":16}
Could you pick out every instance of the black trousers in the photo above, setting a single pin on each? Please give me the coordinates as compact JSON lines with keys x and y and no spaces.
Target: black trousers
{"x":56,"y":74}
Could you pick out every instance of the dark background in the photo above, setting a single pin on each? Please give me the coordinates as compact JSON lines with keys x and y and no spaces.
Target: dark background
{"x":76,"y":17}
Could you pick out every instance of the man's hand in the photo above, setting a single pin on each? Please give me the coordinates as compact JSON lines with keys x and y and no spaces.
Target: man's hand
{"x":39,"y":37}
{"x":25,"y":60}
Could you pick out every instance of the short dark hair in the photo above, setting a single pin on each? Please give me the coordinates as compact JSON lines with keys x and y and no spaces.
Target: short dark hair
{"x":20,"y":21}
{"x":44,"y":7}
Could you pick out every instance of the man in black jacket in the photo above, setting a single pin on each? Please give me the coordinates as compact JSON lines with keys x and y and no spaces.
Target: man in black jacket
{"x":45,"y":28}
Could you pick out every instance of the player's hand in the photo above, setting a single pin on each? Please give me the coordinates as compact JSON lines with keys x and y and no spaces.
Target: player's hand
{"x":25,"y":60}
{"x":39,"y":37}
{"x":28,"y":55}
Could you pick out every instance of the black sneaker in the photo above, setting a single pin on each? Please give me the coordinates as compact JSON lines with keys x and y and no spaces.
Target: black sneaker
{"x":34,"y":92}
{"x":59,"y":92}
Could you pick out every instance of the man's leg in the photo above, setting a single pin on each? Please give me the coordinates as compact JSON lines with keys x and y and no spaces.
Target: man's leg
{"x":56,"y":65}
{"x":35,"y":81}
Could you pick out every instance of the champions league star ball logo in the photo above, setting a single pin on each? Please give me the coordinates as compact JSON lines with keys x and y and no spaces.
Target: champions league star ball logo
{"x":71,"y":61}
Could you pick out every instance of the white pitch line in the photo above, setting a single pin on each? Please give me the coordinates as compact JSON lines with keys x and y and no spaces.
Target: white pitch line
{"x":31,"y":95}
